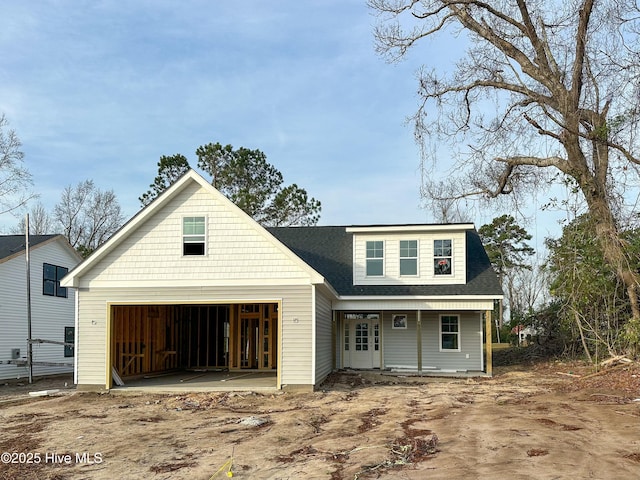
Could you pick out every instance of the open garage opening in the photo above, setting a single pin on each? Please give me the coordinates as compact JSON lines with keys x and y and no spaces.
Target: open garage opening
{"x":154,"y":341}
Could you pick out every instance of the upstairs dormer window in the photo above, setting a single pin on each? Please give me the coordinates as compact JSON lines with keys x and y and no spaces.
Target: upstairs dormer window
{"x":375,"y":258}
{"x":408,"y":258}
{"x":442,"y":257}
{"x":193,"y":236}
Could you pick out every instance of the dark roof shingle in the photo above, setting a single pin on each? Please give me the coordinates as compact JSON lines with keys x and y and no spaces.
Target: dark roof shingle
{"x":12,"y":244}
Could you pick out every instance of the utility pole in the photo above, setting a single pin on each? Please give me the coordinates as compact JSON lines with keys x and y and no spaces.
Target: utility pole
{"x":29,"y":344}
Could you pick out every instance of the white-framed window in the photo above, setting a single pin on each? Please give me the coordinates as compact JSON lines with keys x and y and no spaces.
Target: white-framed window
{"x":450,"y":333}
{"x":375,"y":258}
{"x":442,"y":257}
{"x":194,"y":234}
{"x":408,"y":258}
{"x":399,"y":321}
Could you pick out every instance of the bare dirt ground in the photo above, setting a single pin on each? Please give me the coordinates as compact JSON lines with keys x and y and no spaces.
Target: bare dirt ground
{"x":548,"y":421}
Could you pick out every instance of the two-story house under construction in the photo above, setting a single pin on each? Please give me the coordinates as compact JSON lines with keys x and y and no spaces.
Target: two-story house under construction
{"x":192,"y":282}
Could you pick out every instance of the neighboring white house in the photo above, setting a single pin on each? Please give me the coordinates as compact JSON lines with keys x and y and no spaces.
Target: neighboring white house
{"x":52,"y":306}
{"x":193,"y":282}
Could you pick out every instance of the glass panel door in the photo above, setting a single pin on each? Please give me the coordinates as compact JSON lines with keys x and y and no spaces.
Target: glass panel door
{"x":362,"y":337}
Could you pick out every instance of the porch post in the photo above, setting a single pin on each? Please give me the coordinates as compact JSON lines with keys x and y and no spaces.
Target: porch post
{"x":489,"y":349}
{"x":419,"y":341}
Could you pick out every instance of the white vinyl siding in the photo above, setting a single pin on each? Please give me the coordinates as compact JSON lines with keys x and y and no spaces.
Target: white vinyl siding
{"x":394,"y":255}
{"x":324,"y":332}
{"x":470,"y":341}
{"x":49,"y":314}
{"x":237,"y":250}
{"x":401,"y":346}
{"x":295,"y":331}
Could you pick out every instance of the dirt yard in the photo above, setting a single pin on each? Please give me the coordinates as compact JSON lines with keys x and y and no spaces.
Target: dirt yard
{"x":551,"y":421}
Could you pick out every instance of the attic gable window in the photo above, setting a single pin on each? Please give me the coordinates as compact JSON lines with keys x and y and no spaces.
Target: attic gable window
{"x":375,"y":259}
{"x":193,"y":236}
{"x":442,"y":257}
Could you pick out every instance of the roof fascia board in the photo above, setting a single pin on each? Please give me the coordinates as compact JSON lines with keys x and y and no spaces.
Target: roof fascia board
{"x":411,"y":228}
{"x":366,"y":298}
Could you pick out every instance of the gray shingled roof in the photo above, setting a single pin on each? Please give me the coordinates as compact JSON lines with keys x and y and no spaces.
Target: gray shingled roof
{"x":329,"y":251}
{"x":12,"y":244}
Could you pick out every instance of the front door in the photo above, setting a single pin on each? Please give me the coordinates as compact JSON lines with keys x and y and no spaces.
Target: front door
{"x":362,"y":343}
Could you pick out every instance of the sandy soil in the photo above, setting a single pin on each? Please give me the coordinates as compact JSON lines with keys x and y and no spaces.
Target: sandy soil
{"x":543,"y":422}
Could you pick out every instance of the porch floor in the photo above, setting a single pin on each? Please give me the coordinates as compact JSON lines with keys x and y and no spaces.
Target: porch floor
{"x":434,"y":373}
{"x":185,"y":381}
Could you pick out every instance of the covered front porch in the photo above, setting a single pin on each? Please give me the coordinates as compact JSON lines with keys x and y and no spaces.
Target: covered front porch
{"x":416,"y":342}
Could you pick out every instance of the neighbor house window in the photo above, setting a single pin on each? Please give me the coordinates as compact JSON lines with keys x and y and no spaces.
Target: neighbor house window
{"x":51,"y":276}
{"x":375,"y":259}
{"x":449,"y":332}
{"x":193,"y":236}
{"x":69,"y":337}
{"x":408,"y":257}
{"x":442,"y":257}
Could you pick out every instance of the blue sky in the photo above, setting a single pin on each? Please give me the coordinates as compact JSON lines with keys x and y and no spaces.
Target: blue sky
{"x":101,"y":89}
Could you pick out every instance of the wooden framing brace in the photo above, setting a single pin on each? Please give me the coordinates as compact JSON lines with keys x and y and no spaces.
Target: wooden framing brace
{"x":144,"y":339}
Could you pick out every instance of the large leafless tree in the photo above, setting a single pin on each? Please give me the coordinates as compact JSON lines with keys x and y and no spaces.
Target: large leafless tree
{"x":15,"y":179}
{"x":547,"y":91}
{"x":88,"y":216}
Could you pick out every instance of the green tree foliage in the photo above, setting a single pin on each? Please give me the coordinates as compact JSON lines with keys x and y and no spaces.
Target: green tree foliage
{"x":505,"y":243}
{"x":246,"y":178}
{"x":170,"y":169}
{"x":591,"y":296}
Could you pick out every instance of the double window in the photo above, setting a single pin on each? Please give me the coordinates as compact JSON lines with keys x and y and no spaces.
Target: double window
{"x":51,"y":276}
{"x":375,"y":258}
{"x":442,"y":257}
{"x":450,"y":332}
{"x":193,"y":236}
